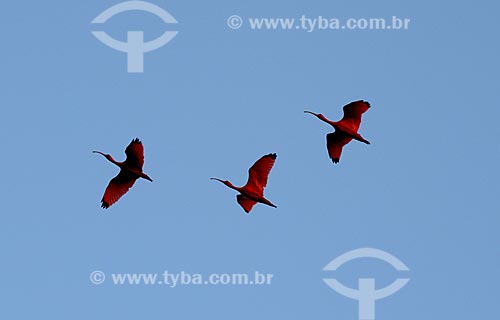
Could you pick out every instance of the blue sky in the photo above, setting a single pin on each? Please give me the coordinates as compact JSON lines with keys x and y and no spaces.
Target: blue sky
{"x":210,"y":103}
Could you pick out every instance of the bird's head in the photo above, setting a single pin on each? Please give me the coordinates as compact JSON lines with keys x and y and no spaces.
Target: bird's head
{"x":227,"y":183}
{"x":321,"y":117}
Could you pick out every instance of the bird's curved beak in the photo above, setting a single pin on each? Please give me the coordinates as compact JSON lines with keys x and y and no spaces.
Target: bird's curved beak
{"x":310,"y":112}
{"x":99,"y":152}
{"x":220,"y":180}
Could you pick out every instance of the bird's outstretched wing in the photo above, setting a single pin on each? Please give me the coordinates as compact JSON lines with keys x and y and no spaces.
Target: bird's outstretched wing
{"x":335,"y":141}
{"x":258,"y":173}
{"x":353,"y":112}
{"x":117,"y":187}
{"x":135,"y":154}
{"x":245,"y":203}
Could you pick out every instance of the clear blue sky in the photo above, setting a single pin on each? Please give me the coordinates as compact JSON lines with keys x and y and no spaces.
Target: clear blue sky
{"x":210,"y":103}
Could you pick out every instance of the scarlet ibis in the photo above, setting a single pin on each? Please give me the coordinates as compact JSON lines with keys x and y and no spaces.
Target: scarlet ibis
{"x":346,"y":129}
{"x":130,"y":170}
{"x":253,"y":191}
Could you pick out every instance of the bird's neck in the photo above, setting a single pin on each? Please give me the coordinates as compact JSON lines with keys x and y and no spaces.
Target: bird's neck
{"x":323,"y":118}
{"x":110,"y":158}
{"x":232,"y":186}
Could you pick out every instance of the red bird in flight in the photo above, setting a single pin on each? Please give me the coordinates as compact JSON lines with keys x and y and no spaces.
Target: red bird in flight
{"x":130,"y":170}
{"x":253,"y":191}
{"x":346,"y":129}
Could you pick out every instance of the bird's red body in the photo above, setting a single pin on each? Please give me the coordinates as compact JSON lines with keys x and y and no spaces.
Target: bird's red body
{"x":253,"y":191}
{"x":346,"y":129}
{"x":130,"y":171}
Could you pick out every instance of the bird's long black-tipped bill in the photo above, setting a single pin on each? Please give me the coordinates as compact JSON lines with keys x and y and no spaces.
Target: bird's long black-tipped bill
{"x":99,"y":152}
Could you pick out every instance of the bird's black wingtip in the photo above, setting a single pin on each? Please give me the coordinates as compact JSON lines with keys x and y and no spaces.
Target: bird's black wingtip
{"x":105,"y":205}
{"x":368,"y":105}
{"x":335,"y":160}
{"x":271,"y":155}
{"x":136,"y":140}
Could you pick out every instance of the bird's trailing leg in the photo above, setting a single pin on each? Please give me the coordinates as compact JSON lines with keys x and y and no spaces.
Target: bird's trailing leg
{"x":265,"y":201}
{"x":358,"y":137}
